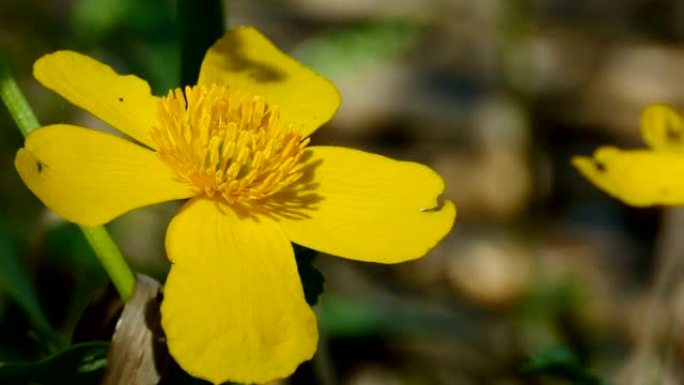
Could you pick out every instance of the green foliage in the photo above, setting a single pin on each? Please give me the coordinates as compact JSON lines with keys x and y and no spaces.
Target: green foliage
{"x":16,"y":282}
{"x":345,"y":317}
{"x":95,"y":19}
{"x":358,"y":47}
{"x":349,"y":318}
{"x":133,"y":36}
{"x":66,"y":253}
{"x":200,"y":26}
{"x":81,"y":364}
{"x":559,"y":362}
{"x":313,"y":280}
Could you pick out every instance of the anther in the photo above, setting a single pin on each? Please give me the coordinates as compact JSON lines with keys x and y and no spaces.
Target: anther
{"x":228,"y":144}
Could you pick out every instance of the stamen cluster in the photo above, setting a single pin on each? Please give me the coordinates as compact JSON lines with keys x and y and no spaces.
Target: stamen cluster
{"x":228,"y":144}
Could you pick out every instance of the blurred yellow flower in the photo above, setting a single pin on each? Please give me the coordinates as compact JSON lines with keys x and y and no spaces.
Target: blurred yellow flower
{"x":648,"y":176}
{"x":236,"y":144}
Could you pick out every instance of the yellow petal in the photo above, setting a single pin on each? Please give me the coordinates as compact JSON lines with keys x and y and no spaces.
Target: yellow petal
{"x":662,"y":128}
{"x":124,"y":102}
{"x":366,"y":207}
{"x":638,"y":178}
{"x":244,"y":59}
{"x":90,"y":177}
{"x":233,"y":304}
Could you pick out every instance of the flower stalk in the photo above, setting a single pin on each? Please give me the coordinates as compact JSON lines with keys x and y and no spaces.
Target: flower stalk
{"x":111,"y":258}
{"x":15,"y":101}
{"x":98,"y":238}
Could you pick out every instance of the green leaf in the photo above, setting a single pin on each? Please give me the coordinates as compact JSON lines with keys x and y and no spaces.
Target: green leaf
{"x":16,"y":282}
{"x":313,"y":280}
{"x":81,"y":364}
{"x":561,"y":363}
{"x":393,"y":316}
{"x":357,"y":47}
{"x":94,"y":19}
{"x":200,"y":25}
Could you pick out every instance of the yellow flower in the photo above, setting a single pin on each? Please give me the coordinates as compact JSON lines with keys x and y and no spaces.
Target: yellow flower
{"x":643,"y":177}
{"x":236,"y":144}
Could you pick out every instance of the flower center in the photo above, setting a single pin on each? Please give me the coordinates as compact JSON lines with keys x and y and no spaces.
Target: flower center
{"x":228,"y":144}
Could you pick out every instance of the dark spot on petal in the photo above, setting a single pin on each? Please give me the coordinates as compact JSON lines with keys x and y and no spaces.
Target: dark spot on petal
{"x":600,"y":166}
{"x":231,"y":51}
{"x":672,"y":134}
{"x":121,"y":99}
{"x":39,"y":166}
{"x":440,"y":205}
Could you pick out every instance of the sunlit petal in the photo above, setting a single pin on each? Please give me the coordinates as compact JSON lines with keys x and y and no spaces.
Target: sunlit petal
{"x":662,"y":128}
{"x":638,"y":178}
{"x":90,"y":177}
{"x":124,"y":102}
{"x":364,"y":206}
{"x":234,"y":307}
{"x":246,"y":60}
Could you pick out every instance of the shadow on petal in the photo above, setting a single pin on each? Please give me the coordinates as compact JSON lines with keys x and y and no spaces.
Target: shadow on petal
{"x":230,"y":50}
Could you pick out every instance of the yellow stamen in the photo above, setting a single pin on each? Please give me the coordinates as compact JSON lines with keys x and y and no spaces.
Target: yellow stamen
{"x":228,"y":144}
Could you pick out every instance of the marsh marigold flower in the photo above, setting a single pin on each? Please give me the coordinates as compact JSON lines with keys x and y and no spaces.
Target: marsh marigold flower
{"x":643,"y":177}
{"x":236,"y":145}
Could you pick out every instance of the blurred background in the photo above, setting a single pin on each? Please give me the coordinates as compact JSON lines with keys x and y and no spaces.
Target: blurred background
{"x":543,"y":280}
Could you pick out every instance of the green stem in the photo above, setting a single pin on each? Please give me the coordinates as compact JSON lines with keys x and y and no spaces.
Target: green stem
{"x":102,"y":244}
{"x":16,"y":102}
{"x":110,"y":256}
